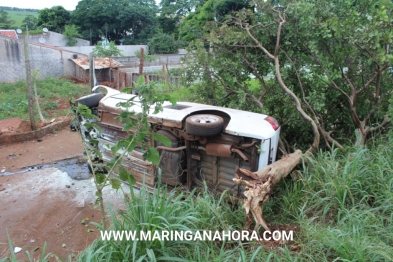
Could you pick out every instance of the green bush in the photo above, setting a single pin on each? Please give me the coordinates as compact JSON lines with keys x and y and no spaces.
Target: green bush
{"x":162,"y":44}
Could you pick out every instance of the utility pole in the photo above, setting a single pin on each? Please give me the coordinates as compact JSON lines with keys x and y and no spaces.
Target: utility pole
{"x":28,"y":81}
{"x":141,"y":58}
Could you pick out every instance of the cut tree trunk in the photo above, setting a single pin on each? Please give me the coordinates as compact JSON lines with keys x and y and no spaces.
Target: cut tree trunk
{"x":259,"y":185}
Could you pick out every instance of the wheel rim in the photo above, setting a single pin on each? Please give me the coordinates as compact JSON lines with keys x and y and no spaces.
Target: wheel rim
{"x":204,"y":119}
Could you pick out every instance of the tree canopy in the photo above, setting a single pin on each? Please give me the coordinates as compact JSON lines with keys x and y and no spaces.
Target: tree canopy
{"x":193,"y":26}
{"x":172,"y":12}
{"x":116,"y":19}
{"x":333,"y":55}
{"x":30,"y":21}
{"x":55,"y":18}
{"x":5,"y":21}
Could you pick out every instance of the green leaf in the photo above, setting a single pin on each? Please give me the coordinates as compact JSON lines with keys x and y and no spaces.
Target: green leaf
{"x":141,"y":135}
{"x":126,"y":115}
{"x":123,"y":174}
{"x":100,"y":178}
{"x":116,"y":148}
{"x":93,"y":141}
{"x":96,"y":127}
{"x":115,"y":183}
{"x":162,"y":139}
{"x":131,"y":146}
{"x":152,"y":155}
{"x":128,"y":126}
{"x":126,"y":90}
{"x":131,"y":180}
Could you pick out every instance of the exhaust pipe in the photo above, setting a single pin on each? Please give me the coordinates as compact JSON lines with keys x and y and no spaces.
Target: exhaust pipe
{"x":223,"y":150}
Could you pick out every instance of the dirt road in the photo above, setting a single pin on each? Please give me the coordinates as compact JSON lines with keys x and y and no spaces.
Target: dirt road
{"x":46,"y":204}
{"x":53,"y":147}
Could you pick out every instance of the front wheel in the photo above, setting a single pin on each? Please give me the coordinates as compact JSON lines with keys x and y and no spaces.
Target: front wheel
{"x":204,"y":125}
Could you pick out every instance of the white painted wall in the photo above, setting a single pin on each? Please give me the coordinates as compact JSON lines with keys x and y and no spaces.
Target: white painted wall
{"x":127,"y":50}
{"x":55,"y":39}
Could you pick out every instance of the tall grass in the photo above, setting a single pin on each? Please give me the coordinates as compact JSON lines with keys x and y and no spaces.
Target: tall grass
{"x":161,"y":210}
{"x":342,"y":202}
{"x":13,"y":96}
{"x":347,"y":208}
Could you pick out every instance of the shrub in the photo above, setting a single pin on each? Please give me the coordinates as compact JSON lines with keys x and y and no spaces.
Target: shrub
{"x":162,"y":44}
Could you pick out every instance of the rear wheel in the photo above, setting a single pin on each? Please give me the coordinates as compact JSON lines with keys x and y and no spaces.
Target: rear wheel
{"x":204,"y":125}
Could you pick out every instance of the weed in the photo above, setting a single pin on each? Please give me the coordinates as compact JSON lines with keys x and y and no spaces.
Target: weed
{"x":50,"y":105}
{"x":13,"y":99}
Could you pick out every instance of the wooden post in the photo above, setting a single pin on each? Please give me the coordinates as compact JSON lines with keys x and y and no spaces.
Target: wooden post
{"x":118,"y":78}
{"x":28,"y":81}
{"x":91,"y":70}
{"x":141,"y":56}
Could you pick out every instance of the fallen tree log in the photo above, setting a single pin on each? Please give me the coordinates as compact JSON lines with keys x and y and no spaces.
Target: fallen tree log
{"x":259,"y":185}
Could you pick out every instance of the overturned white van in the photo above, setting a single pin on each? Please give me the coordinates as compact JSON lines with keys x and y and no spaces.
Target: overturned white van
{"x":209,"y":143}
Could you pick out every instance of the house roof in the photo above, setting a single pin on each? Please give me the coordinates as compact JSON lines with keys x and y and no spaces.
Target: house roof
{"x":99,"y":62}
{"x":9,"y":33}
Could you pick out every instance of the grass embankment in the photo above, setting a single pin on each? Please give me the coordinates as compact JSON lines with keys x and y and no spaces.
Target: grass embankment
{"x":19,"y":16}
{"x":342,"y":202}
{"x":54,"y":95}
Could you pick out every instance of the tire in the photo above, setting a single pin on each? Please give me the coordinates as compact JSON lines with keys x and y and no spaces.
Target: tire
{"x":91,"y":100}
{"x":204,"y":125}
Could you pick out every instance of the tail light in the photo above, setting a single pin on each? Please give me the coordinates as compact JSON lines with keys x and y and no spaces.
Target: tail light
{"x":273,"y":122}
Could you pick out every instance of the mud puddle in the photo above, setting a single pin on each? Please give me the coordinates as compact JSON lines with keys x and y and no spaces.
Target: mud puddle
{"x":76,"y":168}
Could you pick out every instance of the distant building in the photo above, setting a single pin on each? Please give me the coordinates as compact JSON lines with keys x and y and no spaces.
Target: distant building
{"x":9,"y":33}
{"x":104,"y":69}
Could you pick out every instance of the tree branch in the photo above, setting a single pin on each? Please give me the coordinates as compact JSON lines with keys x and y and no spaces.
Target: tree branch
{"x":326,"y":135}
{"x":373,"y":78}
{"x":384,"y":122}
{"x":335,"y":86}
{"x":257,"y":75}
{"x":376,"y":98}
{"x":257,"y":42}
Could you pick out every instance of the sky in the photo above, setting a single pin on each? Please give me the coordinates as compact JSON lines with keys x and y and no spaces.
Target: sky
{"x":40,"y":4}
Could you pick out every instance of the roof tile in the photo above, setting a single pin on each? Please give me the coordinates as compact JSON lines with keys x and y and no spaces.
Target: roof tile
{"x":9,"y":33}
